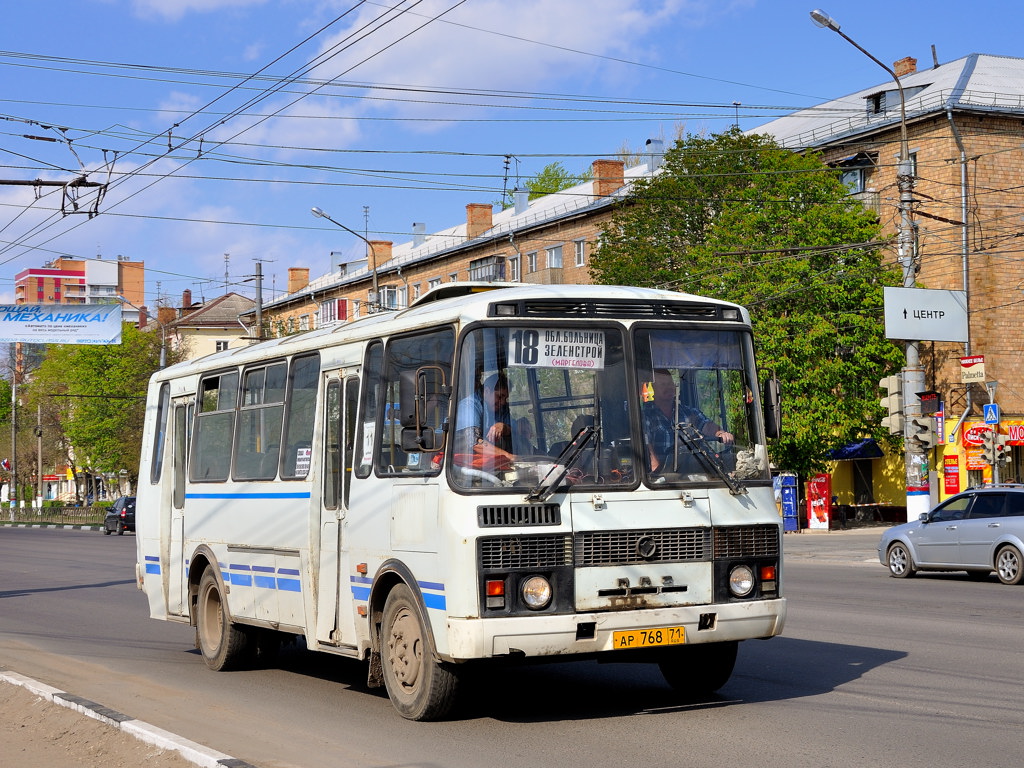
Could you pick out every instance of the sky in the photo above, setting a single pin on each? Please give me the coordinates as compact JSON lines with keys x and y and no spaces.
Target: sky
{"x":214,"y":126}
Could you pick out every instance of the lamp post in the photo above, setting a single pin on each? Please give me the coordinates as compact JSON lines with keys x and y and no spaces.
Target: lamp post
{"x":319,"y":213}
{"x":913,"y":374}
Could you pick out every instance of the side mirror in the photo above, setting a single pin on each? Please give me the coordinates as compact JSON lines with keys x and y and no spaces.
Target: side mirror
{"x":772,"y":409}
{"x":923,"y":518}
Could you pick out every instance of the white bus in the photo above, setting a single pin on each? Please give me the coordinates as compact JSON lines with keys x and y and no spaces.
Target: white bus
{"x":480,"y":476}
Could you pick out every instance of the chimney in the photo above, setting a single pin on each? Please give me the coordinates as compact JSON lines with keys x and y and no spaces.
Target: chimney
{"x":655,"y":154}
{"x":380,"y":253}
{"x":143,"y":317}
{"x":419,"y":234}
{"x":186,"y":298}
{"x":905,"y":66}
{"x":608,"y":176}
{"x":478,"y":219}
{"x":298,"y":278}
{"x":521,"y":197}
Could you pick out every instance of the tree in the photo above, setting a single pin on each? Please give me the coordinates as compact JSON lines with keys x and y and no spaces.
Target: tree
{"x":739,"y":218}
{"x":93,"y":399}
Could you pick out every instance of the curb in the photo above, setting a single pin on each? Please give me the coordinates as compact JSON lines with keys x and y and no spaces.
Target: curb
{"x":158,"y":737}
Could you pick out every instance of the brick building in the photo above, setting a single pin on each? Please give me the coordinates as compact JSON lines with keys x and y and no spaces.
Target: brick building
{"x":965,"y":126}
{"x":547,"y":240}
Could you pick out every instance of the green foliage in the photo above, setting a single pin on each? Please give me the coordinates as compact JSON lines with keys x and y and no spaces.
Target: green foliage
{"x":93,"y":399}
{"x":739,"y":218}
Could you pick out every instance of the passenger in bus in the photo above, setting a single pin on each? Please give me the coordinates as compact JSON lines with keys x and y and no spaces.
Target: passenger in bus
{"x":660,"y":418}
{"x":485,"y":424}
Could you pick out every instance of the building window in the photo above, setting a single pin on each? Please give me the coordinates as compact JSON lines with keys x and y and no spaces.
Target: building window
{"x":853,"y":180}
{"x":531,"y":261}
{"x":579,"y":248}
{"x":433,"y":282}
{"x":328,"y":312}
{"x":513,"y":270}
{"x":488,"y":269}
{"x":220,"y":345}
{"x":304,"y":323}
{"x":415,"y":291}
{"x":453,"y":277}
{"x":554,"y":257}
{"x":393,"y":297}
{"x":876,"y":103}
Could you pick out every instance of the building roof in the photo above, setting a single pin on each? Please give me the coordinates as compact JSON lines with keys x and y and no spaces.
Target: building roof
{"x":221,"y":312}
{"x":538,"y":212}
{"x":978,"y":83}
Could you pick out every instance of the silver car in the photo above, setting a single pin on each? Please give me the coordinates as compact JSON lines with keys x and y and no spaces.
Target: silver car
{"x":979,"y":531}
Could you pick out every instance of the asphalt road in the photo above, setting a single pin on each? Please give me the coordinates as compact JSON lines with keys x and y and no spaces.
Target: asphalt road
{"x":870,"y":671}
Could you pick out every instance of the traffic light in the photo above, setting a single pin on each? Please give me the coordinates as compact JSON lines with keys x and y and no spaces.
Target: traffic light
{"x":893,"y":403}
{"x":1002,"y":450}
{"x":921,"y":431}
{"x":988,"y":444}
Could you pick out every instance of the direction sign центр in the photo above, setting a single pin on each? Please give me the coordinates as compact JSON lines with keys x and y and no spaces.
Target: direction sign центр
{"x":925,"y":314}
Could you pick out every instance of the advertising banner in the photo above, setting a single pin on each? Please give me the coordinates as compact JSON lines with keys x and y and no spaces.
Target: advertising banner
{"x":60,"y":323}
{"x":951,"y":474}
{"x":819,"y":502}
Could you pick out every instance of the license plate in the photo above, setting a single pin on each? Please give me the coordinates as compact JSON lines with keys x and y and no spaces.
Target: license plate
{"x":648,"y":638}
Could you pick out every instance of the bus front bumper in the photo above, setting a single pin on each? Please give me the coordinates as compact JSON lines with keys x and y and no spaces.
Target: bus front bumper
{"x":588,"y":633}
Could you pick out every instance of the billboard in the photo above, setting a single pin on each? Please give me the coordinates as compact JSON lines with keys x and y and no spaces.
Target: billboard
{"x":60,"y":323}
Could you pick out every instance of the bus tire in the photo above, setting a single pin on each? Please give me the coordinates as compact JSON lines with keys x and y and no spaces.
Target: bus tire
{"x":419,"y":687}
{"x":698,"y":670}
{"x":224,"y":645}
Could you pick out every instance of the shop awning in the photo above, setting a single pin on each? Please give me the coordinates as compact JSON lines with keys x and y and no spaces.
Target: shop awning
{"x":862,"y":449}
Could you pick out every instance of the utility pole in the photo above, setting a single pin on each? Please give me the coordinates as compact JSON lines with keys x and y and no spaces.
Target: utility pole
{"x":915,"y":457}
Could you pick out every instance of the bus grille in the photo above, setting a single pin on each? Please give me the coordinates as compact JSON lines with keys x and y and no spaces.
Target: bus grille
{"x":747,"y":541}
{"x":654,"y":546}
{"x":509,"y":552}
{"x":519,"y":514}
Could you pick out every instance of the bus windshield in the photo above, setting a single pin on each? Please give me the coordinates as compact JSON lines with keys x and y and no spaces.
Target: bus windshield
{"x":699,"y":416}
{"x":537,"y":406}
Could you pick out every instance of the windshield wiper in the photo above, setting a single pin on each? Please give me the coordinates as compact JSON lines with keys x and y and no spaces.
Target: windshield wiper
{"x":547,"y":486}
{"x":698,"y":445}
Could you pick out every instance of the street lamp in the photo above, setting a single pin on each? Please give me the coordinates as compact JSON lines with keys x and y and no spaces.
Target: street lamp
{"x":319,"y":213}
{"x":913,"y":374}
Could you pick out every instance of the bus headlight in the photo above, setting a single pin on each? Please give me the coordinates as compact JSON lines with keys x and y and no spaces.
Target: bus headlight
{"x":536,"y":592}
{"x":741,"y":580}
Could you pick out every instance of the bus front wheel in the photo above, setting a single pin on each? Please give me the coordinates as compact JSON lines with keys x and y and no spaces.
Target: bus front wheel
{"x":419,"y":687}
{"x":224,"y":645}
{"x":697,"y":670}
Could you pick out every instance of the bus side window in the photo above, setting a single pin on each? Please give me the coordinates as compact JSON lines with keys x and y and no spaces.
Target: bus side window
{"x":351,"y":404}
{"x":332,"y":445}
{"x":211,"y":457}
{"x":179,"y":446}
{"x":432,"y":350}
{"x":298,"y":441}
{"x":366,"y":435}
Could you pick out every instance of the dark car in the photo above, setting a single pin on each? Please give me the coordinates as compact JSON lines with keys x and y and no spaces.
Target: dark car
{"x":979,"y":531}
{"x":120,"y":517}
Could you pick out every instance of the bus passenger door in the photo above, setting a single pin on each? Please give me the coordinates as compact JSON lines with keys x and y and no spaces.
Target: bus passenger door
{"x":177,"y":604}
{"x":335,"y":624}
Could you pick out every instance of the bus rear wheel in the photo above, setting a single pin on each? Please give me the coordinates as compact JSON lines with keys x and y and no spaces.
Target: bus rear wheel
{"x":419,"y":687}
{"x":224,"y":645}
{"x":697,"y":670}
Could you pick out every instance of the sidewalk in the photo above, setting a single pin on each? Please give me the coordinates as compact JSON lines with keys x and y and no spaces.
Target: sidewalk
{"x":855,"y":545}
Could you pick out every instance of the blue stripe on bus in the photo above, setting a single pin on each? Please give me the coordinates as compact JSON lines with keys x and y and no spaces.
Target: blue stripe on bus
{"x":289,"y":585}
{"x":360,"y":586}
{"x":265,"y":582}
{"x":152,"y":564}
{"x":264,"y":495}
